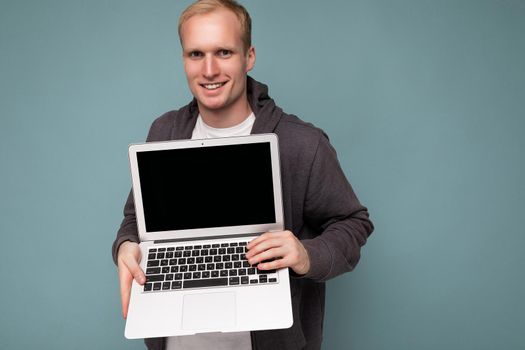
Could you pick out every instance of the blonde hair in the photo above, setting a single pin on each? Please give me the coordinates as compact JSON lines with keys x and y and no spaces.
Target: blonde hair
{"x":201,"y":7}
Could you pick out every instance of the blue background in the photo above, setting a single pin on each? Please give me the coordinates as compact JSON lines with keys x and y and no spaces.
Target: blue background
{"x":422,"y":99}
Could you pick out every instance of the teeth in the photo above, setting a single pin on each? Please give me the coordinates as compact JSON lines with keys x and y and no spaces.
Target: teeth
{"x":213,"y":86}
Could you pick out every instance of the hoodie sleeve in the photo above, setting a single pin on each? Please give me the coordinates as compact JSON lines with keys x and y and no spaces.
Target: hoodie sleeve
{"x":332,"y":206}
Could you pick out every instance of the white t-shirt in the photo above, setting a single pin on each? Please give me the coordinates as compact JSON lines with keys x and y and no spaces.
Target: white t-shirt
{"x":215,"y":341}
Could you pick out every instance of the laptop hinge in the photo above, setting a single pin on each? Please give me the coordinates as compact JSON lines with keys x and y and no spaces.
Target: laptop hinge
{"x":207,"y":238}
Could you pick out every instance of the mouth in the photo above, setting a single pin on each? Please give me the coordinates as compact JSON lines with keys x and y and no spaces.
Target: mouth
{"x":213,"y":86}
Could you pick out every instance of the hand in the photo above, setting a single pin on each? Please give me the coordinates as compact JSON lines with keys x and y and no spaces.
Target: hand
{"x":282,"y":246}
{"x":128,"y":260}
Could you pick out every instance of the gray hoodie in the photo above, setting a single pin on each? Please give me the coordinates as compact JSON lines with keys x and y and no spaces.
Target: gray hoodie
{"x":320,"y":208}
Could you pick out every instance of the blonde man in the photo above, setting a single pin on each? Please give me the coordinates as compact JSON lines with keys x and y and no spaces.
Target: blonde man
{"x":325,"y":223}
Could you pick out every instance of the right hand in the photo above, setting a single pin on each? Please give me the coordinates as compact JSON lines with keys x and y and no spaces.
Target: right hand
{"x":128,"y":259}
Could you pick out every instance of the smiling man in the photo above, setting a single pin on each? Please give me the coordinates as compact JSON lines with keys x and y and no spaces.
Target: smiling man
{"x":325,"y":224}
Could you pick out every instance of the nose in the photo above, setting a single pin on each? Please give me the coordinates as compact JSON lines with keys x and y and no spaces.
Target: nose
{"x":211,"y":67}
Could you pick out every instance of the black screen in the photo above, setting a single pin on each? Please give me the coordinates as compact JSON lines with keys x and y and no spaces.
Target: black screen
{"x":207,"y":187}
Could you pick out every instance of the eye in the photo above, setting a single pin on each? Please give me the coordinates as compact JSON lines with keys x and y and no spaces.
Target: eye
{"x":195,"y":54}
{"x":224,"y":53}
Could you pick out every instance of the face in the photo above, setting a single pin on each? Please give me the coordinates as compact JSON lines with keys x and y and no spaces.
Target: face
{"x":216,"y":63}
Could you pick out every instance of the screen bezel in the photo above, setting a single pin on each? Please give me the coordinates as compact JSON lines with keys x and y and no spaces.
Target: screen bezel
{"x":216,"y":231}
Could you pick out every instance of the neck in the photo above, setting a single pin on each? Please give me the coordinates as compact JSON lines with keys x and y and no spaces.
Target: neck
{"x":225,"y":118}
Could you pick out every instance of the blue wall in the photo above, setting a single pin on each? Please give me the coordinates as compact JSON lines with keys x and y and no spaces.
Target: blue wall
{"x":422,"y":99}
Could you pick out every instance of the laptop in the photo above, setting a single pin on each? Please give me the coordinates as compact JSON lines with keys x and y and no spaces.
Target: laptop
{"x":198,"y":203}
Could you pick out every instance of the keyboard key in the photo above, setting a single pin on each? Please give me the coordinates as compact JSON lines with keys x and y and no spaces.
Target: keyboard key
{"x":176,"y":285}
{"x":192,"y":268}
{"x":169,"y":255}
{"x":234,"y":281}
{"x":179,"y":248}
{"x":208,"y":259}
{"x":152,"y":270}
{"x":178,"y":254}
{"x":199,"y":260}
{"x":153,"y":250}
{"x":188,"y":247}
{"x":210,"y":267}
{"x":154,"y":278}
{"x":230,"y":250}
{"x":245,"y":264}
{"x":160,"y":255}
{"x":242,"y":272}
{"x":148,"y":287}
{"x":207,"y":246}
{"x":164,"y":262}
{"x":237,"y":264}
{"x":186,"y":253}
{"x":224,"y":245}
{"x":235,"y":257}
{"x":170,"y":249}
{"x":215,"y":245}
{"x":233,"y":272}
{"x":226,"y":258}
{"x":152,"y":256}
{"x":196,"y":275}
{"x":204,"y":252}
{"x":183,"y":268}
{"x":169,"y":277}
{"x":187,"y":275}
{"x":206,"y":274}
{"x":222,"y":251}
{"x":213,"y":251}
{"x":272,"y":280}
{"x":210,"y":282}
{"x":224,"y":273}
{"x":228,"y":265}
{"x":239,"y":250}
{"x":251,"y":271}
{"x":243,"y":243}
{"x":197,"y":247}
{"x":245,"y":280}
{"x":157,"y":286}
{"x":191,"y":261}
{"x":178,"y":276}
{"x":165,"y":269}
{"x":201,"y":267}
{"x":173,"y":261}
{"x":195,"y":253}
{"x":219,"y":266}
{"x":182,"y":261}
{"x":162,"y":249}
{"x":166,"y":285}
{"x":254,"y":281}
{"x":233,"y":244}
{"x":217,"y":258}
{"x":174,"y":269}
{"x":153,"y":263}
{"x":215,"y":273}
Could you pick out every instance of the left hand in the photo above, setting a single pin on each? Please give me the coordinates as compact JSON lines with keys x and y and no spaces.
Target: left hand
{"x":284,"y":247}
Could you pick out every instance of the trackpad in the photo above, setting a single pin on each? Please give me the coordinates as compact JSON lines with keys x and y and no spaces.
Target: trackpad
{"x":210,"y":311}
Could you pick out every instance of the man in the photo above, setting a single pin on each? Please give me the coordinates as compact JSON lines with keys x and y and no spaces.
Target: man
{"x":325,"y":223}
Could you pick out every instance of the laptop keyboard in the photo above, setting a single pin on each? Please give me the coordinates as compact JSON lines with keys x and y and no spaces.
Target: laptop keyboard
{"x":201,"y":266}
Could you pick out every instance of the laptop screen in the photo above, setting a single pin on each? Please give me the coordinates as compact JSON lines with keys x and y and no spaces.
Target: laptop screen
{"x":207,"y":187}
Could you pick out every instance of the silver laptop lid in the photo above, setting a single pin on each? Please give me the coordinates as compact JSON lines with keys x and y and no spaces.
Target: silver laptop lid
{"x":202,"y":188}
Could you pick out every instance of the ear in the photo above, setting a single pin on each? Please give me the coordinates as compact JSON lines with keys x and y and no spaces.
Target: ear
{"x":250,"y":62}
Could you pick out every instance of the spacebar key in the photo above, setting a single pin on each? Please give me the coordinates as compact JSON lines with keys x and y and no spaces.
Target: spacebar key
{"x":212,"y":282}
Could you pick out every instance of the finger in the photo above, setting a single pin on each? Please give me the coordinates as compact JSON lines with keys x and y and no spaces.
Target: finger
{"x":125,"y":279}
{"x":135,"y":270}
{"x":269,"y":254}
{"x":264,"y":245}
{"x":274,"y":264}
